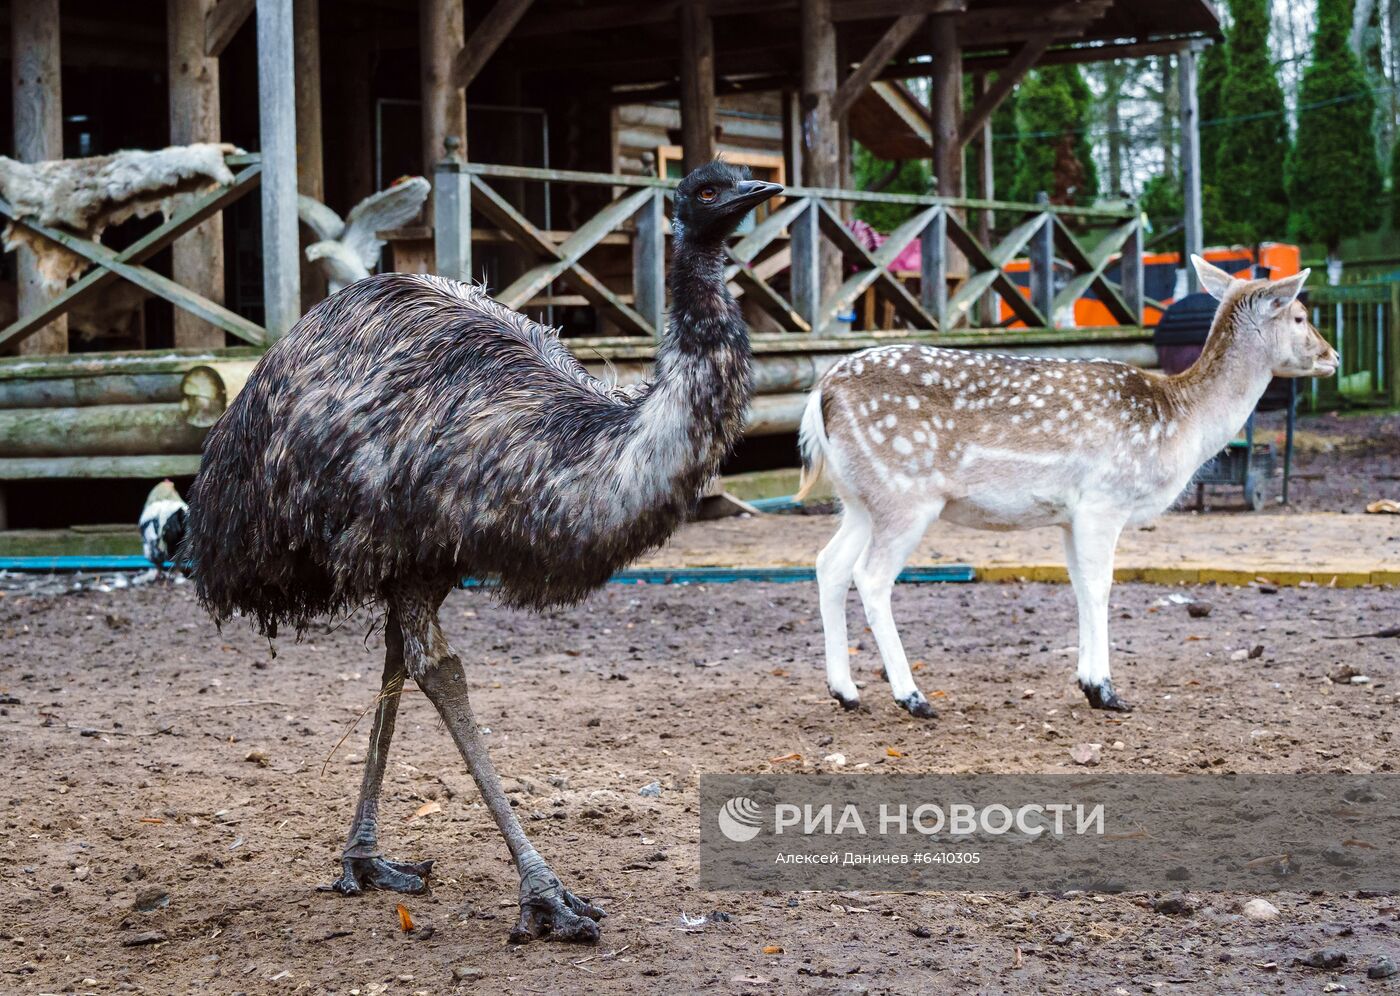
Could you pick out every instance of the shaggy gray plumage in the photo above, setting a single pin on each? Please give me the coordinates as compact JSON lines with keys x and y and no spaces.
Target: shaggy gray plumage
{"x":410,"y":431}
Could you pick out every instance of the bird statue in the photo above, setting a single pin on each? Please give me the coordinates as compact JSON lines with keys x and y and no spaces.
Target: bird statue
{"x":162,"y":523}
{"x":409,"y":432}
{"x":349,"y":250}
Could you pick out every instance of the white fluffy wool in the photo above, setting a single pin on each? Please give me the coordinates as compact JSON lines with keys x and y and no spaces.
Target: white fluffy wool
{"x":84,"y":196}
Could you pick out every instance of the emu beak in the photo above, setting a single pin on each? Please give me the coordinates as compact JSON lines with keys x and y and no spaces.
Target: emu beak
{"x":750,"y":193}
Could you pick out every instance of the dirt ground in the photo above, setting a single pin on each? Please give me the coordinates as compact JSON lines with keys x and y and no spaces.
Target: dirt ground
{"x":170,"y":809}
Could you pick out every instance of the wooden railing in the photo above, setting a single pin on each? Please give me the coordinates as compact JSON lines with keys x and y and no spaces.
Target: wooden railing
{"x":786,"y":265}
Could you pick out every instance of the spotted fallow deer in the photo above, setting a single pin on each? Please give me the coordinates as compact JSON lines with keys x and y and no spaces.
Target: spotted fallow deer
{"x":909,"y":434}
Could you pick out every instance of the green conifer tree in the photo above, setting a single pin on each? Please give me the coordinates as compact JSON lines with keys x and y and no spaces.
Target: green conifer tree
{"x":1210,"y":94}
{"x":1054,"y":110}
{"x":1335,"y":177}
{"x":1253,"y":139}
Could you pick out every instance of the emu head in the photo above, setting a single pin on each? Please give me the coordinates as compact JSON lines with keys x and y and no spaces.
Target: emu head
{"x":714,"y":198}
{"x":1291,"y":345}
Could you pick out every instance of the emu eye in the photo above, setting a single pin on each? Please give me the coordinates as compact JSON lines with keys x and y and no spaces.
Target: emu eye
{"x":707,"y":194}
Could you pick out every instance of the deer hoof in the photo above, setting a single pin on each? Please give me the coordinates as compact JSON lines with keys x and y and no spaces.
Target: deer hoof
{"x":1102,"y":696}
{"x":917,"y":705}
{"x":850,"y":703}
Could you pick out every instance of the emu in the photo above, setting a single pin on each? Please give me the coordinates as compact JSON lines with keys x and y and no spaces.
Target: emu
{"x":910,"y":434}
{"x":410,"y":431}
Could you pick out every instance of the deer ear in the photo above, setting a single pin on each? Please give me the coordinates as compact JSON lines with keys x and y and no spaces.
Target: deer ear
{"x":1281,"y":293}
{"x":1214,"y":280}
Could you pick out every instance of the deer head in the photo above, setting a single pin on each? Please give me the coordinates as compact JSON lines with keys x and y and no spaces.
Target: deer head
{"x":1271,"y":310}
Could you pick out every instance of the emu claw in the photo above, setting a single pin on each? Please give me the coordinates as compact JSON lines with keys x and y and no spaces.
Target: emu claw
{"x":917,"y":705}
{"x":359,"y":874}
{"x":1102,"y":696}
{"x":549,"y":910}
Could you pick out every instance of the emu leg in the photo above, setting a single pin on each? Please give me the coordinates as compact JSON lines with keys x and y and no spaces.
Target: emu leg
{"x":362,"y":864}
{"x":547,"y":909}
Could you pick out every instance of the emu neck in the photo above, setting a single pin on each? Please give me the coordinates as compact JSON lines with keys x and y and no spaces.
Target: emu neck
{"x":694,"y":412}
{"x":1219,"y":391}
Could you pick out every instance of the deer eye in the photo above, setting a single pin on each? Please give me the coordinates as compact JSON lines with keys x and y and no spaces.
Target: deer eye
{"x":707,"y":194}
{"x":1298,"y":319}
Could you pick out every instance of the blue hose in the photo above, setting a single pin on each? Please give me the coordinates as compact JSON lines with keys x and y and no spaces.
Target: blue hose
{"x":637,"y":575}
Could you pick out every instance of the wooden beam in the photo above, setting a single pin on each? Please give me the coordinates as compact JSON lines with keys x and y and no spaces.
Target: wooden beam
{"x":1006,"y":81}
{"x":306,"y":18}
{"x":945,"y":102}
{"x":441,"y":31}
{"x":896,"y":36}
{"x":38,"y":116}
{"x":630,"y":14}
{"x":197,"y":259}
{"x":277,"y":133}
{"x":871,"y":10}
{"x":1190,"y":159}
{"x":1070,"y":55}
{"x":486,"y":37}
{"x":221,"y":23}
{"x":697,"y":72}
{"x":820,"y":158}
{"x":311,"y":176}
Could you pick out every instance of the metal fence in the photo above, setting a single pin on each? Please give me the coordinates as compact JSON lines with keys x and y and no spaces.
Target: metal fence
{"x":1362,"y":320}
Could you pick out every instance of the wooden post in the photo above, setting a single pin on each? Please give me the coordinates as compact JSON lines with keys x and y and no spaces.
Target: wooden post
{"x":649,"y":262}
{"x":1042,"y":260}
{"x":310,"y":169}
{"x":441,"y":36}
{"x":452,"y":215}
{"x":945,"y":97}
{"x":1130,"y":271}
{"x":697,"y":83}
{"x":792,"y":138}
{"x":38,"y":113}
{"x":306,"y":16}
{"x":821,"y":159}
{"x":820,"y":155}
{"x":804,"y":239}
{"x":277,"y":131}
{"x":933,"y":276}
{"x":1190,"y":160}
{"x":986,"y":190}
{"x":197,"y":258}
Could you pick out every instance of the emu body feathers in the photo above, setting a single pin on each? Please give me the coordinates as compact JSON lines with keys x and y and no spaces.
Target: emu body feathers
{"x":409,"y":430}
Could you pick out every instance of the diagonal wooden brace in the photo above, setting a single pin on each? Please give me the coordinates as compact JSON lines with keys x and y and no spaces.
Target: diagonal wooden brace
{"x":1090,"y":267}
{"x":874,"y":268}
{"x":562,"y":259}
{"x":110,"y":265}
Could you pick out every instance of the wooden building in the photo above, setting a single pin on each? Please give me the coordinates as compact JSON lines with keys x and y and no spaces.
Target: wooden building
{"x":568,"y":121}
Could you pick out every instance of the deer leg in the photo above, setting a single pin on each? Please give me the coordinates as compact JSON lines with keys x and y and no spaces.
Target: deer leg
{"x":890,"y":546}
{"x":835,"y":565}
{"x":362,"y":864}
{"x":546,"y":907}
{"x":1089,"y":546}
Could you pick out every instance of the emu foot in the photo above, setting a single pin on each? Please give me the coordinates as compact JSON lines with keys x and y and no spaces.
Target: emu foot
{"x":917,"y":705}
{"x":359,"y":874}
{"x":1102,"y":696}
{"x":548,"y":910}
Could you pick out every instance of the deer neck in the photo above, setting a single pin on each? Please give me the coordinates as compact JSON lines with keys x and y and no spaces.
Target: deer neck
{"x":1217,"y":394}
